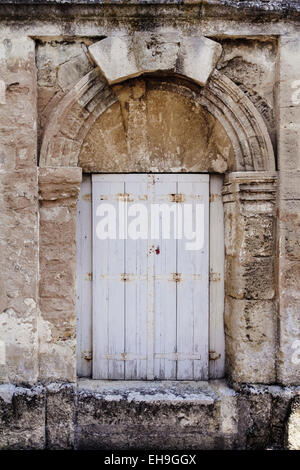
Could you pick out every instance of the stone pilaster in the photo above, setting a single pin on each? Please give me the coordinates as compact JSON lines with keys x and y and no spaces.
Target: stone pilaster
{"x":58,"y":189}
{"x":250,"y":310}
{"x":289,"y":278}
{"x":288,"y":111}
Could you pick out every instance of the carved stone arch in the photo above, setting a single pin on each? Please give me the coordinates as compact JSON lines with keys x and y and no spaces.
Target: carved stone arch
{"x":194,"y":59}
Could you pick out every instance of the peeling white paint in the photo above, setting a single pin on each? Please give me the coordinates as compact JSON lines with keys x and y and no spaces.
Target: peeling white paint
{"x":17,"y":330}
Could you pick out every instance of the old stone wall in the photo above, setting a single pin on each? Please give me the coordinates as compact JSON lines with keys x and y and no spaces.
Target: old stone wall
{"x":60,"y":102}
{"x":19,"y":212}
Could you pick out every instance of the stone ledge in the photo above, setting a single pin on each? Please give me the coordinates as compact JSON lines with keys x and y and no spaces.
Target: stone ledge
{"x":157,"y":415}
{"x":200,"y":393}
{"x":256,"y":10}
{"x":273,"y":6}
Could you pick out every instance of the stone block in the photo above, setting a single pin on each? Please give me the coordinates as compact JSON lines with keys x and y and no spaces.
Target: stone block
{"x":155,"y":51}
{"x":198,"y":57}
{"x":250,"y":332}
{"x":289,"y":138}
{"x":289,"y":226}
{"x":71,"y":71}
{"x":22,"y":418}
{"x":255,"y":415}
{"x":60,"y":416}
{"x":289,"y":49}
{"x":121,"y":58}
{"x":250,"y":279}
{"x":259,"y":239}
{"x":289,"y":188}
{"x":289,"y":338}
{"x":293,"y":426}
{"x":19,"y":275}
{"x":289,"y":103}
{"x":18,"y":116}
{"x":160,"y":415}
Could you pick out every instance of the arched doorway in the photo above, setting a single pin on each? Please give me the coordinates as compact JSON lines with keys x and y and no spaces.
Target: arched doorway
{"x":165,"y":122}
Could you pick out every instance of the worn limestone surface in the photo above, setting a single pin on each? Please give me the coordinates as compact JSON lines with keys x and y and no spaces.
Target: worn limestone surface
{"x":289,"y":209}
{"x":250,"y":307}
{"x":122,"y":58}
{"x":19,"y":212}
{"x":156,"y":126}
{"x":61,"y":416}
{"x":251,"y":64}
{"x":22,"y":417}
{"x":58,"y":193}
{"x":60,"y":65}
{"x":293,"y":426}
{"x":106,"y":415}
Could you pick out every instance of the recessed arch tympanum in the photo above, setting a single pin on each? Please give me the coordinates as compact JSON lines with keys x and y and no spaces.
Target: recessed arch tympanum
{"x":176,"y":120}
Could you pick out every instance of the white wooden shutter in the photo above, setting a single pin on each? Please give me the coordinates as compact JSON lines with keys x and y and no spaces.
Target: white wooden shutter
{"x":150,"y":297}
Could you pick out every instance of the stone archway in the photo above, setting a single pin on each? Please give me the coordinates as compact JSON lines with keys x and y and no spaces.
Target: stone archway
{"x":72,"y":119}
{"x":249,"y":189}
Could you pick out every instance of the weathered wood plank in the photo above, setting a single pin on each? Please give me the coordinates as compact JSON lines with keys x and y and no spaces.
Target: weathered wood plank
{"x":108,"y":287}
{"x":216,"y":292}
{"x":84,"y":279}
{"x":192,"y":285}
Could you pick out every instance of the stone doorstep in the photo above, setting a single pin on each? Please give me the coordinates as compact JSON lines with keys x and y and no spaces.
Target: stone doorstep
{"x":98,"y":414}
{"x":198,"y":393}
{"x":155,"y":415}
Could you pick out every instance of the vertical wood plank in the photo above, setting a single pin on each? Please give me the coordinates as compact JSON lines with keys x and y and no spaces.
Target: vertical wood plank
{"x":150,"y":290}
{"x":108,"y":287}
{"x":136,"y":254}
{"x":192,"y":288}
{"x":84,"y":279}
{"x":164,"y":254}
{"x":217,"y":337}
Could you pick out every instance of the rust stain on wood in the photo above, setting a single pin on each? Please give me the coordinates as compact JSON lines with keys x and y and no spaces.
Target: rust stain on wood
{"x":86,"y":355}
{"x":125,"y":197}
{"x":213,"y":356}
{"x":214,"y":197}
{"x":176,"y":277}
{"x":177,"y":198}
